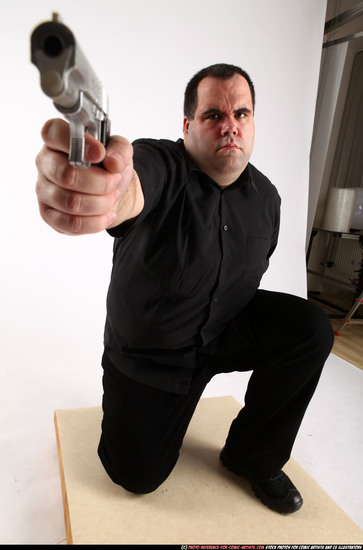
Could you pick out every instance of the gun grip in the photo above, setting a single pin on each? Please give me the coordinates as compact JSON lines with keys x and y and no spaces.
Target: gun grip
{"x":77,"y":142}
{"x":85,"y":118}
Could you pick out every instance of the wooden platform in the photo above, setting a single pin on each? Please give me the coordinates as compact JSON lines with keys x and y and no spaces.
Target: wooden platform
{"x":200,"y":503}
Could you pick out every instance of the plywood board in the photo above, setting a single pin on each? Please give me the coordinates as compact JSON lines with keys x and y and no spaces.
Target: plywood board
{"x":200,"y":503}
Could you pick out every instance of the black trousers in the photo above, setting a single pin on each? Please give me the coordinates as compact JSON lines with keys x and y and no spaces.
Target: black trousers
{"x":143,"y":427}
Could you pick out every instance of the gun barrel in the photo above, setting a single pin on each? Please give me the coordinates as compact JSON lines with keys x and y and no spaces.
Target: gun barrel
{"x":67,"y":77}
{"x":64,"y":69}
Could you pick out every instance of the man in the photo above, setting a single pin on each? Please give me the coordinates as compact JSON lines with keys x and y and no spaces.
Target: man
{"x":194,"y":226}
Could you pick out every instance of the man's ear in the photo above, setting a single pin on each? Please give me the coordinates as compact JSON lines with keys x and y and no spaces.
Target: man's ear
{"x":186,"y":123}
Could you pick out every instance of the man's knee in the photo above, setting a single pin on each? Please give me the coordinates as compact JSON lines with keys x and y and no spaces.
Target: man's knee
{"x":297,"y":323}
{"x":139,"y":475}
{"x":318,"y":327}
{"x":303,"y":320}
{"x":140,"y":484}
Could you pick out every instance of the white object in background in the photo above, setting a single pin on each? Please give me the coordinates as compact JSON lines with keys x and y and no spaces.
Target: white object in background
{"x":357,"y":220}
{"x":339,"y":209}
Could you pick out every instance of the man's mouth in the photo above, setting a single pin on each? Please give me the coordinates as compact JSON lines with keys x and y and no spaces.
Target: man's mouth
{"x":229,"y":146}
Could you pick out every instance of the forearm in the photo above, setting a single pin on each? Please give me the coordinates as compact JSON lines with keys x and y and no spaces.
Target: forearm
{"x":131,"y":203}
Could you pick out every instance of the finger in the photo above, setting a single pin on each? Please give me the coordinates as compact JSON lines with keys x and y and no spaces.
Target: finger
{"x":75,"y":203}
{"x":53,"y":166}
{"x":75,"y":225}
{"x":56,"y":135}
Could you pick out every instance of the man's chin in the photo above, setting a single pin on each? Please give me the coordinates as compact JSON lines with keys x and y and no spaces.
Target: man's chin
{"x":228,"y":172}
{"x":232,"y":163}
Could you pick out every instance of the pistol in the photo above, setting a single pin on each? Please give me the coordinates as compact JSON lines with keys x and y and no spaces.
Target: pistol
{"x":69,"y":80}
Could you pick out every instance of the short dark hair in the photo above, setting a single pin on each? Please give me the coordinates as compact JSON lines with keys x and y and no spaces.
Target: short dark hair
{"x":219,"y":70}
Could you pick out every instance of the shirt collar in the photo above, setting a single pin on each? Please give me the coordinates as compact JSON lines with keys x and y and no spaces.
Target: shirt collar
{"x":244,"y":180}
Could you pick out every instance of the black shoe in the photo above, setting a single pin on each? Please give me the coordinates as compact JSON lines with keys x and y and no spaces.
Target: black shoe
{"x":278,"y":492}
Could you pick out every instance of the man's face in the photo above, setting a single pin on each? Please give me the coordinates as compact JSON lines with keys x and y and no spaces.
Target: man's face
{"x":220,"y":137}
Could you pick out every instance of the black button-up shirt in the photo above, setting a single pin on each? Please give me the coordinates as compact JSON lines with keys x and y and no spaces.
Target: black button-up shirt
{"x":186,"y":266}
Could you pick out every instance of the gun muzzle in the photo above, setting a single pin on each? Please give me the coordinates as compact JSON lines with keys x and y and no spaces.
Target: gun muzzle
{"x":53,"y":51}
{"x":67,"y":77}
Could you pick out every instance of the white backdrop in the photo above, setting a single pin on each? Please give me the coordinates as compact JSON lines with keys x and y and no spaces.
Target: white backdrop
{"x":53,"y":288}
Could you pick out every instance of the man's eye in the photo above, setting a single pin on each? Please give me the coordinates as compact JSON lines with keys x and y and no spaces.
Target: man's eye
{"x":213,"y":116}
{"x":240,"y":115}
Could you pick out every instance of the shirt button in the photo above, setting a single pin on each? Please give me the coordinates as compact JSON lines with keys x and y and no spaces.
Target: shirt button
{"x":216,"y":299}
{"x":225,"y":227}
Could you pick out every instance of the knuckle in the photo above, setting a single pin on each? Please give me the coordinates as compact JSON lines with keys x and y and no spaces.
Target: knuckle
{"x":37,"y":187}
{"x":108,"y":183}
{"x":49,"y":215}
{"x":45,"y":130}
{"x":41,"y":186}
{"x":76,"y":224}
{"x":38,"y":160}
{"x":52,"y":130}
{"x":43,"y":211}
{"x":73,"y":202}
{"x":66,"y":173}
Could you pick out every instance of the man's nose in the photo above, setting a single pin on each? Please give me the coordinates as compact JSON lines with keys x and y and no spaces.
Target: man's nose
{"x":229,"y":127}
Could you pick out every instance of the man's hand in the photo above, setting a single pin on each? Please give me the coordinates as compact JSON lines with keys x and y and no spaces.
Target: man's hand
{"x":79,"y":201}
